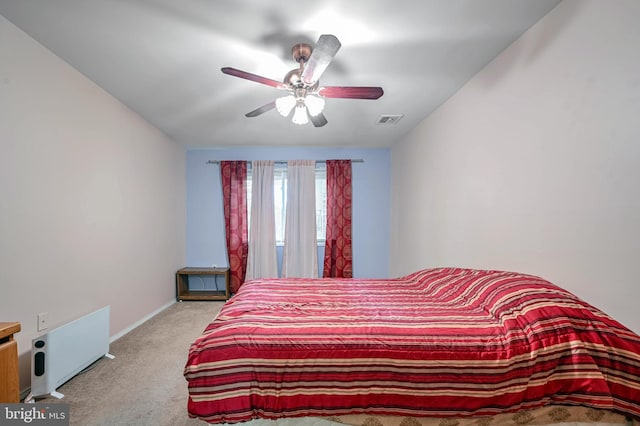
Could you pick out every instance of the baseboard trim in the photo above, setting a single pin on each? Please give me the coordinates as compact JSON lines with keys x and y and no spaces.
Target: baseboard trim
{"x":140,"y":322}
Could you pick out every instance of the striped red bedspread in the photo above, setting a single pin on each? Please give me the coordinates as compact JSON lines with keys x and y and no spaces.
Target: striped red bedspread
{"x":439,"y":342}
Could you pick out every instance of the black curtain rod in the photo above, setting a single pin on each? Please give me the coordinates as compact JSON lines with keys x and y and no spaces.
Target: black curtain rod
{"x":355,"y":160}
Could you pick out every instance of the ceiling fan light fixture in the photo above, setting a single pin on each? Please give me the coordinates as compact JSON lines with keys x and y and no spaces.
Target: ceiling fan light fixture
{"x":306,"y":98}
{"x":300,"y":114}
{"x":285,"y":104}
{"x":315,"y":105}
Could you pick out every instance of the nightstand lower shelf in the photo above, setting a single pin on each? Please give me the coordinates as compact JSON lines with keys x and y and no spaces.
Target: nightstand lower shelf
{"x":183,"y":292}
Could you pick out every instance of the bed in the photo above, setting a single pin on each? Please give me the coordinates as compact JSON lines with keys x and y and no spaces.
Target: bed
{"x":447,"y":343}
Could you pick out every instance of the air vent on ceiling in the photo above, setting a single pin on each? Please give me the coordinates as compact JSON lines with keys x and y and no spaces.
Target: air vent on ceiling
{"x":389,"y":118}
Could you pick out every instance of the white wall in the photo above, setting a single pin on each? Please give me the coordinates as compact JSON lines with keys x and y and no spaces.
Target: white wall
{"x":534,"y":165}
{"x":92,"y":198}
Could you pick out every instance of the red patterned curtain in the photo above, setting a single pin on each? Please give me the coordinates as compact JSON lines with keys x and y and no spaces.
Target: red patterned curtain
{"x":338,"y":259}
{"x":234,"y":195}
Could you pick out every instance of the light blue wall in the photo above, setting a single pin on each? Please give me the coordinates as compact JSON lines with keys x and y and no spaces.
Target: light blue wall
{"x":371,"y":203}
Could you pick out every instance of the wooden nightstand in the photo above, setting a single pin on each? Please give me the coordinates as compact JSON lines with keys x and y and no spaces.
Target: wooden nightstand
{"x":9,"y":379}
{"x":182,"y":284}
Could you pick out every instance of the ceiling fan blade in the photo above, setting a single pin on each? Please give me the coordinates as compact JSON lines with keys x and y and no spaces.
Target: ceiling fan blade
{"x":264,"y":108}
{"x":326,"y":48}
{"x":253,"y":77}
{"x":351,"y":92}
{"x":318,"y":120}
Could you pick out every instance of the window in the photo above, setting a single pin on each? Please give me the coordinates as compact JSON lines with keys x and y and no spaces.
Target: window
{"x":280,"y":200}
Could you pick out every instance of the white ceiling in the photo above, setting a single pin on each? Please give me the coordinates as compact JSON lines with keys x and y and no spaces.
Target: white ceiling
{"x":162,"y":58}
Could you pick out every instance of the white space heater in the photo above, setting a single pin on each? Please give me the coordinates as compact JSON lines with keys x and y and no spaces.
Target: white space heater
{"x":65,"y":351}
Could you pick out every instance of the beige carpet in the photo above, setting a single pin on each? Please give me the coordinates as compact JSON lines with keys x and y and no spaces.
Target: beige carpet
{"x":144,"y":384}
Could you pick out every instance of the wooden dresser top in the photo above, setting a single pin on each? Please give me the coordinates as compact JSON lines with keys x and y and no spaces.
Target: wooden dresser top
{"x":8,"y":328}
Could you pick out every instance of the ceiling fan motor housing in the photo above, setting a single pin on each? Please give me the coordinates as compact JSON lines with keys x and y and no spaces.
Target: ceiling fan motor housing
{"x":293,"y":79}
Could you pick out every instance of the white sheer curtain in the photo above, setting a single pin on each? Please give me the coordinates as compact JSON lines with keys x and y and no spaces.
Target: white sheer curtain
{"x":262,"y":261}
{"x":300,"y":257}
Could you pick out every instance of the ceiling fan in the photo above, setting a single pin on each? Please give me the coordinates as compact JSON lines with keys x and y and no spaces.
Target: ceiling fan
{"x":306,"y":96}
